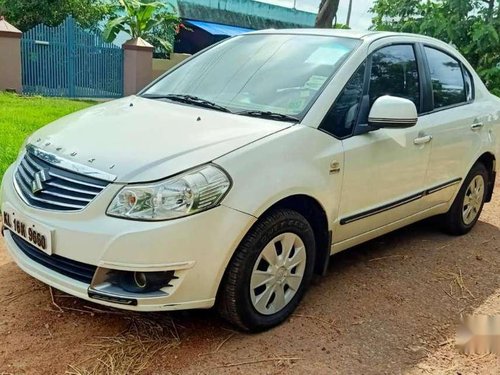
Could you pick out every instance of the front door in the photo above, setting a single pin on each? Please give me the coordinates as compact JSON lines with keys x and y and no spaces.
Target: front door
{"x":384,"y":170}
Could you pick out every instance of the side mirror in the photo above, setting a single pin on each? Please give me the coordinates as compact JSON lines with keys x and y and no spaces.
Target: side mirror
{"x":393,"y":112}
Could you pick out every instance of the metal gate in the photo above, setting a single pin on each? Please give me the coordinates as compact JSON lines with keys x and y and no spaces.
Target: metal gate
{"x":70,"y":62}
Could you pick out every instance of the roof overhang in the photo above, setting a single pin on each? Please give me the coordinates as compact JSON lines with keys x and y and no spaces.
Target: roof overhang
{"x":217,"y":28}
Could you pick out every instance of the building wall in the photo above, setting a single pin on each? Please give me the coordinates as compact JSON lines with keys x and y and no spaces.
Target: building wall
{"x":160,"y":66}
{"x":244,"y":13}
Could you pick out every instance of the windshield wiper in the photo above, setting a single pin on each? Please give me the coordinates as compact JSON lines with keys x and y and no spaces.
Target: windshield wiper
{"x":190,"y":99}
{"x":269,"y":115}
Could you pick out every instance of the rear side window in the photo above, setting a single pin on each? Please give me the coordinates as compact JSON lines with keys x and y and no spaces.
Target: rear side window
{"x":448,"y":86}
{"x":469,"y":86}
{"x":394,"y":72}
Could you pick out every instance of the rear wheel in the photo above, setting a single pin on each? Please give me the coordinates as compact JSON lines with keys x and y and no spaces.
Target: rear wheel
{"x":467,"y":207}
{"x":269,"y":272}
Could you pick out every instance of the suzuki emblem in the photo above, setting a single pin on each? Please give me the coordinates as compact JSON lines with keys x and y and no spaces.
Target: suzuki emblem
{"x":38,"y":179}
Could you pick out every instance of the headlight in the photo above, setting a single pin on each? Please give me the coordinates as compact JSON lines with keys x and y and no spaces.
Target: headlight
{"x":194,"y":191}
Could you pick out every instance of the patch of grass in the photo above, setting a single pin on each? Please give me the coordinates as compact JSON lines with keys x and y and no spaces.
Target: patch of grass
{"x":132,"y":351}
{"x":20,"y":116}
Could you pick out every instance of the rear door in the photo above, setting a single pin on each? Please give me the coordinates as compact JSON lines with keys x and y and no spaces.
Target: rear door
{"x":454,"y":121}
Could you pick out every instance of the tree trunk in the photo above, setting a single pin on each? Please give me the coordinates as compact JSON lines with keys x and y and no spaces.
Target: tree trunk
{"x":326,"y":14}
{"x":491,"y":8}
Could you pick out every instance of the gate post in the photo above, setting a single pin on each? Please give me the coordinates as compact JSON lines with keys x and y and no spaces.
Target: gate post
{"x":137,"y":65}
{"x":10,"y":57}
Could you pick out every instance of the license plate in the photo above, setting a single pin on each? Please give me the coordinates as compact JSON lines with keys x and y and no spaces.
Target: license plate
{"x":32,"y":232}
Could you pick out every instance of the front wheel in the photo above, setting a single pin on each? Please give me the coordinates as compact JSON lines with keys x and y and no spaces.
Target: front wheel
{"x":269,"y":272}
{"x":467,"y":207}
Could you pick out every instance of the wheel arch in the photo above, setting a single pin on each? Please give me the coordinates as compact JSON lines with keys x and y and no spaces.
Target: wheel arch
{"x":489,"y":161}
{"x":315,"y":214}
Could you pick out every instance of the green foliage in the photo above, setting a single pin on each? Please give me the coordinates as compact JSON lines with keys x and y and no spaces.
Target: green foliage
{"x":341,"y":26}
{"x":26,"y":14}
{"x":473,"y":26}
{"x":153,"y":21}
{"x":21,"y":116}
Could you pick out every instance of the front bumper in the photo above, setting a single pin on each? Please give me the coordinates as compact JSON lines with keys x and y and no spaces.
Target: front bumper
{"x":198,"y":248}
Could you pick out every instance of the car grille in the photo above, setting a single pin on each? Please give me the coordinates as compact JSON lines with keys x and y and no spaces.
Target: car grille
{"x":63,"y":190}
{"x":67,"y":267}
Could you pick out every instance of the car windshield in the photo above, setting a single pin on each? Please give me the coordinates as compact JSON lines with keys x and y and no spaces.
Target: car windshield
{"x":273,"y":75}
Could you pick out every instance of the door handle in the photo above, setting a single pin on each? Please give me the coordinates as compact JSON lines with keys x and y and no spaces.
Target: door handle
{"x":422,"y":140}
{"x":477,"y":126}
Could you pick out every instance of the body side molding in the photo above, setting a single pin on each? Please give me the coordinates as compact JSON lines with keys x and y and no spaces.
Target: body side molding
{"x":398,"y":203}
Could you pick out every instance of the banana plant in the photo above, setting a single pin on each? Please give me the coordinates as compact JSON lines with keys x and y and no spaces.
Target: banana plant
{"x":153,"y":21}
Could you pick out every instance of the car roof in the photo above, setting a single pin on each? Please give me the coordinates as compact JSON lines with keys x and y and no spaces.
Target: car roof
{"x":367,"y":35}
{"x":358,"y":34}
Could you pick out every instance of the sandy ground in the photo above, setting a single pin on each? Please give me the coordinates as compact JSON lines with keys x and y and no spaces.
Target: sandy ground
{"x":390,"y":306}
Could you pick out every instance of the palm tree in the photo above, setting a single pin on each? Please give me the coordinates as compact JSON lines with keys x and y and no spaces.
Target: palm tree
{"x":326,"y":14}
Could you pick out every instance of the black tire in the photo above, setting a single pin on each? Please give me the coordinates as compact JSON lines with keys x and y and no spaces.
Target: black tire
{"x":453,"y":221}
{"x":234,"y":299}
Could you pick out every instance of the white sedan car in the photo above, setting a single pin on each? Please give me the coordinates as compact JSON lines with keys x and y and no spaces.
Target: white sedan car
{"x":231,"y":180}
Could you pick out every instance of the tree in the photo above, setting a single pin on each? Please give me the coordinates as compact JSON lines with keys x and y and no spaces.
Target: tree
{"x":327,"y":13}
{"x":473,"y":26}
{"x":150,"y":20}
{"x":26,"y":14}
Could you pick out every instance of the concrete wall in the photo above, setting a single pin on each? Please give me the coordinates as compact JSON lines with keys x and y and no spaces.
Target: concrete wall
{"x":10,"y":64}
{"x":137,"y":65}
{"x":10,"y":57}
{"x":160,"y":66}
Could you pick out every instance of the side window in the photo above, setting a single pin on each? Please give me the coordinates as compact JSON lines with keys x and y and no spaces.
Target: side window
{"x":343,"y":115}
{"x":469,"y":87}
{"x":395,"y":72}
{"x":448,"y":85}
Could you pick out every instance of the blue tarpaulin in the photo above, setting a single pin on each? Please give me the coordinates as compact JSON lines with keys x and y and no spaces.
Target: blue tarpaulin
{"x":217,"y":28}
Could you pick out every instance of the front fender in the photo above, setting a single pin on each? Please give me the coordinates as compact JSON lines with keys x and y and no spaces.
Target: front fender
{"x":296,"y":161}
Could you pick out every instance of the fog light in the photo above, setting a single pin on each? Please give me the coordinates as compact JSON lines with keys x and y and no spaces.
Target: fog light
{"x":143,"y":282}
{"x":140,"y":279}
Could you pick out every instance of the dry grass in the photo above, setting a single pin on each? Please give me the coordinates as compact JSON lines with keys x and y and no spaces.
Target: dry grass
{"x":458,"y":289}
{"x":390,"y":257}
{"x":459,"y":281}
{"x":131,"y":351}
{"x":280,"y":361}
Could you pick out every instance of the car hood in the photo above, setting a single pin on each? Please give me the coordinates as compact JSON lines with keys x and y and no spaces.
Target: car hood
{"x":137,"y":139}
